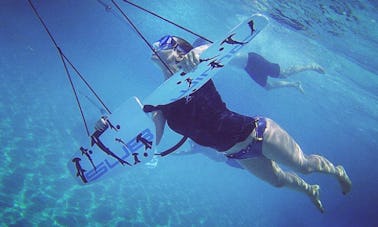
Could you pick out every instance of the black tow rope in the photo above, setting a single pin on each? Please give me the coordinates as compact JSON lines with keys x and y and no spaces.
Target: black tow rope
{"x":175,"y":147}
{"x":149,"y":109}
{"x":158,"y":16}
{"x":169,"y":21}
{"x":142,"y":36}
{"x":66,"y":60}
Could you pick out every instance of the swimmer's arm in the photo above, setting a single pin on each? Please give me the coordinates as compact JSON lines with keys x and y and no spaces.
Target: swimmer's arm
{"x":159,"y":121}
{"x":239,"y":61}
{"x":190,"y":61}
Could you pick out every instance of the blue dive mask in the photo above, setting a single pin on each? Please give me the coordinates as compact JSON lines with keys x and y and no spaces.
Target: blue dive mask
{"x":169,"y":42}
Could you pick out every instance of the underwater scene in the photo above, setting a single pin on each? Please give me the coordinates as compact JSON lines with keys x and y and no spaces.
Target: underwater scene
{"x":58,"y":54}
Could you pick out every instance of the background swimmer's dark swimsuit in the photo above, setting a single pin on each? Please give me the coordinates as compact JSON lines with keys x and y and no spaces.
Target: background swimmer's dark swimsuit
{"x":206,"y":119}
{"x":259,"y":69}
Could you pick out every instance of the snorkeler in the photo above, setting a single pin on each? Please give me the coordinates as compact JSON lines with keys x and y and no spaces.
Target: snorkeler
{"x":257,"y":143}
{"x":260,"y":69}
{"x":266,"y":73}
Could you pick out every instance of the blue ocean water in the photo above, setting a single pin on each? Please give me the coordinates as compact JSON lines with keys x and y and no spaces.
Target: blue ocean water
{"x":41,"y":125}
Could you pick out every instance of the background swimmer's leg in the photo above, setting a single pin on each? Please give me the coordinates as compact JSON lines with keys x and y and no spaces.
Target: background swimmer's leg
{"x":269,"y":171}
{"x":280,"y":84}
{"x":280,"y":147}
{"x":300,"y":68}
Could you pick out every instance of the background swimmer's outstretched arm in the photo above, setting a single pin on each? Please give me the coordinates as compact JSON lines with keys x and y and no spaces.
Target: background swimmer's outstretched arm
{"x":239,"y":61}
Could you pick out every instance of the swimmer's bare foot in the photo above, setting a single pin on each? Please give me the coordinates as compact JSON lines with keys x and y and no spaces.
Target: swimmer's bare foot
{"x":344,"y":180}
{"x":317,"y":68}
{"x":298,"y":85}
{"x":314,"y":194}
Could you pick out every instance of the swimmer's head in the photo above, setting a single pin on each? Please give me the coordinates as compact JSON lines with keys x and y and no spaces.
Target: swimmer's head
{"x":175,"y":43}
{"x":168,"y":52}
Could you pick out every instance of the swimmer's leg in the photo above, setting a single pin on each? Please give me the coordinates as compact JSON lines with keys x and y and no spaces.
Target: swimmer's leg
{"x":280,"y":147}
{"x":270,"y":172}
{"x":300,"y":68}
{"x":281,"y":84}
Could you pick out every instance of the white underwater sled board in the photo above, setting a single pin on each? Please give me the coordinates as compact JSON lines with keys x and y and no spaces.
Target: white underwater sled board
{"x":213,"y":59}
{"x":126,"y":142}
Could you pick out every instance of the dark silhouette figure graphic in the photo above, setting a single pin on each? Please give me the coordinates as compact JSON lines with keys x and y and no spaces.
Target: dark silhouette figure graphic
{"x":147,"y":144}
{"x":101,"y":126}
{"x":189,"y":81}
{"x":119,"y":140}
{"x":231,"y":41}
{"x":208,"y":59}
{"x":251,"y":26}
{"x":88,"y":153}
{"x":136,"y":159}
{"x":215,"y":64}
{"x":80,"y":171}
